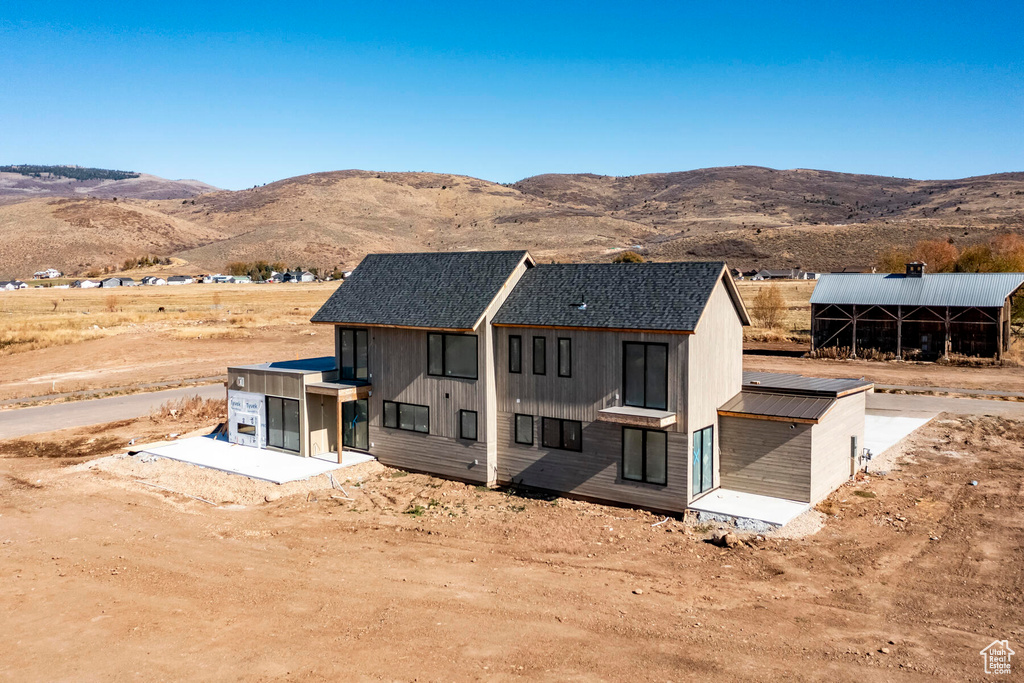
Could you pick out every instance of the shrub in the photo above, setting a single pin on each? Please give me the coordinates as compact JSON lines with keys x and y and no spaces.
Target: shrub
{"x":769,"y":307}
{"x":628,"y":257}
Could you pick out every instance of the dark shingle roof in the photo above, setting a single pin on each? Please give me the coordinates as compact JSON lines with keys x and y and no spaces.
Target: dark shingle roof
{"x":633,"y":296}
{"x":434,"y":290}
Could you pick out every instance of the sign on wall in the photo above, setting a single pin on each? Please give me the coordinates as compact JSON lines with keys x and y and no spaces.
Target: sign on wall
{"x":247,"y":419}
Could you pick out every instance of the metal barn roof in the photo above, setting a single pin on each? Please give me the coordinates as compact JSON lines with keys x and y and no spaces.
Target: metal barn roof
{"x":931,"y":289}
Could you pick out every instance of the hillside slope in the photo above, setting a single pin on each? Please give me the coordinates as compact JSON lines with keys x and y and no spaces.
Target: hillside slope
{"x":16,"y":187}
{"x":749,"y":216}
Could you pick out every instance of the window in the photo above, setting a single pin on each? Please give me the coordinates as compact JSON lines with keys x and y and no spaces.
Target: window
{"x":250,"y":430}
{"x":283,"y":423}
{"x":645,"y":455}
{"x":452,"y":355}
{"x":645,"y":375}
{"x":353,"y":353}
{"x":540,"y":349}
{"x":467,"y":425}
{"x":407,"y":416}
{"x":515,"y":354}
{"x":702,"y":469}
{"x":564,"y":357}
{"x":566,"y":435}
{"x":524,"y":429}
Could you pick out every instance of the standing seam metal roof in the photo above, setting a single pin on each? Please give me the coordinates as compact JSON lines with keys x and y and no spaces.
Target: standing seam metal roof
{"x":447,"y":290}
{"x":931,"y":289}
{"x":778,"y":405}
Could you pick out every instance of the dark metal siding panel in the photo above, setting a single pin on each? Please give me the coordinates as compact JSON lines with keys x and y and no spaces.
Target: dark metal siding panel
{"x":595,"y":472}
{"x":765,"y":457}
{"x":830,"y":459}
{"x":596,"y":381}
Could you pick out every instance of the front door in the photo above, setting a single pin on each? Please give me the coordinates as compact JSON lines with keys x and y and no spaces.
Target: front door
{"x":355,"y":426}
{"x":702,"y":468}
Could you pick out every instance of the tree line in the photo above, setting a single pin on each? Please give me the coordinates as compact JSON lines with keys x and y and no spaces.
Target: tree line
{"x":1002,"y":254}
{"x":75,"y":172}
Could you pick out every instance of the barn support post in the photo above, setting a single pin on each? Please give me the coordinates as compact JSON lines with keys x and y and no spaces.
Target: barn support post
{"x":899,"y":333}
{"x":853,"y":337}
{"x":946,"y":342}
{"x":814,"y":326}
{"x":999,"y":335}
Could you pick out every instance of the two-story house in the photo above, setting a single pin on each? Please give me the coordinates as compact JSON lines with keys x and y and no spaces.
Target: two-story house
{"x":612,"y":382}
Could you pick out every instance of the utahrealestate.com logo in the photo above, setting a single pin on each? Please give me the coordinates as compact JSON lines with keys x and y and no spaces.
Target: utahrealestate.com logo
{"x":997,"y":657}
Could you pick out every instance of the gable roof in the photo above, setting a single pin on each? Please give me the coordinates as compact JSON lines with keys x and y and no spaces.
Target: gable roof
{"x":930,"y":289}
{"x":446,"y":290}
{"x":663,"y":297}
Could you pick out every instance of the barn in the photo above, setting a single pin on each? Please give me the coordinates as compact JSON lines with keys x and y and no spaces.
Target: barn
{"x":915,"y":314}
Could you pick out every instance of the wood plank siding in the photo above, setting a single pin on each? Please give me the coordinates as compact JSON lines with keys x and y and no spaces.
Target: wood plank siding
{"x":766,"y":458}
{"x":830,"y":451}
{"x":593,"y":473}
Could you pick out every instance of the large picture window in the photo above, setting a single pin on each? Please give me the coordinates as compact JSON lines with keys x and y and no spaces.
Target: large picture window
{"x":283,"y":423}
{"x":566,"y":435}
{"x":515,"y":354}
{"x":644,"y":455}
{"x":353,"y":353}
{"x":524,"y":429}
{"x":407,"y":416}
{"x":452,"y":355}
{"x":702,"y":469}
{"x":540,"y":352}
{"x":645,"y":375}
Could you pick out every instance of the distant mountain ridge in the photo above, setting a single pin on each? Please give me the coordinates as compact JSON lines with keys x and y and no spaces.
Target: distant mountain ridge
{"x":19,"y":182}
{"x":749,"y":216}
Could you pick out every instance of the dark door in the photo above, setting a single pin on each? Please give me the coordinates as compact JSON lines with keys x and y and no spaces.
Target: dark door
{"x":355,"y":430}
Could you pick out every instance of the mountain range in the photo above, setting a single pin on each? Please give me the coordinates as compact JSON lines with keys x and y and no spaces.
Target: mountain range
{"x":749,"y":216}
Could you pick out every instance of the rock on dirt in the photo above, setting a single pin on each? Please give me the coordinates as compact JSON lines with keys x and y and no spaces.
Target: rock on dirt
{"x":725,"y":539}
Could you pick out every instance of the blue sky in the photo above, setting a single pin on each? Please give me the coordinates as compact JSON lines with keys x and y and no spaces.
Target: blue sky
{"x":238,"y":94}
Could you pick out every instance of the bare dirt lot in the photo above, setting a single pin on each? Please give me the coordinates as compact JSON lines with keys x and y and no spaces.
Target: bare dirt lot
{"x":419,"y":578}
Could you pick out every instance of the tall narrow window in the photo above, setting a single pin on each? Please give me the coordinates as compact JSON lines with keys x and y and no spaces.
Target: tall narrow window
{"x":524,"y":429}
{"x":644,"y":455}
{"x":467,"y":425}
{"x":515,"y":354}
{"x":353,"y":345}
{"x":452,"y":355}
{"x":645,"y":375}
{"x":702,"y":469}
{"x":564,"y":357}
{"x":540,"y":361}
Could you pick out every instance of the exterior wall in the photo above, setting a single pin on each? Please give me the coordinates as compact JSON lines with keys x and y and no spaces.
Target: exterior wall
{"x":597,"y":374}
{"x":715,"y":368}
{"x":830,"y":454}
{"x":322,"y":412}
{"x":766,"y":457}
{"x":437,"y":455}
{"x":593,"y":473}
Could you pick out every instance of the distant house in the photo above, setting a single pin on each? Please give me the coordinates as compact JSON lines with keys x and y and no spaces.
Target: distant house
{"x":242,"y":279}
{"x":85,"y":284}
{"x":277,"y":277}
{"x":47,"y":274}
{"x":18,"y":284}
{"x":180,"y":280}
{"x":222,"y":279}
{"x":111,"y":282}
{"x":300,"y":276}
{"x":6,"y":286}
{"x":128,"y":282}
{"x":153,"y":280}
{"x":783,"y":274}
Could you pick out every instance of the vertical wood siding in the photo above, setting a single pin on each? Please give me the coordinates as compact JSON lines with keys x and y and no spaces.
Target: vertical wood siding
{"x":444,"y":457}
{"x":766,"y":457}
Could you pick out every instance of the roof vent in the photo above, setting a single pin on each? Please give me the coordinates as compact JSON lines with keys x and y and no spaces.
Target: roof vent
{"x":915,"y":268}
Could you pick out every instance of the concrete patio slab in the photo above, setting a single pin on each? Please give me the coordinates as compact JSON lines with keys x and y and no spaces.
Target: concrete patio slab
{"x":884,"y":430}
{"x":737,"y":505}
{"x":255,"y":463}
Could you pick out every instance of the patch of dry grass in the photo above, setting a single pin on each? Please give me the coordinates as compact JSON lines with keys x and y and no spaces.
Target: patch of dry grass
{"x":36,"y":319}
{"x":795,"y":322}
{"x":191,"y":408}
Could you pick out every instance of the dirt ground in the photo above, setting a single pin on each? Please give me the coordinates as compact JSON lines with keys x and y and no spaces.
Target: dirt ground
{"x":417,"y":578}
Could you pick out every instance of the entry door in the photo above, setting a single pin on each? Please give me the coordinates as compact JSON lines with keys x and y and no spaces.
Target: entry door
{"x":355,"y":430}
{"x":702,"y":469}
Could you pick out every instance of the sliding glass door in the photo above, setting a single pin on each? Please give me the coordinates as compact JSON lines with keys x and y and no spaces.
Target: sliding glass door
{"x":283,"y":423}
{"x":702,"y":470}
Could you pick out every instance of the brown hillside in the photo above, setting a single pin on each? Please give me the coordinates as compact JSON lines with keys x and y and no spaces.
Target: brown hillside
{"x":749,"y":216}
{"x":15,"y":187}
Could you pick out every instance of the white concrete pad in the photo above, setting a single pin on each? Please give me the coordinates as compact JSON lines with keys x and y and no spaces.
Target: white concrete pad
{"x":882,"y":432}
{"x":255,"y":463}
{"x":776,"y":511}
